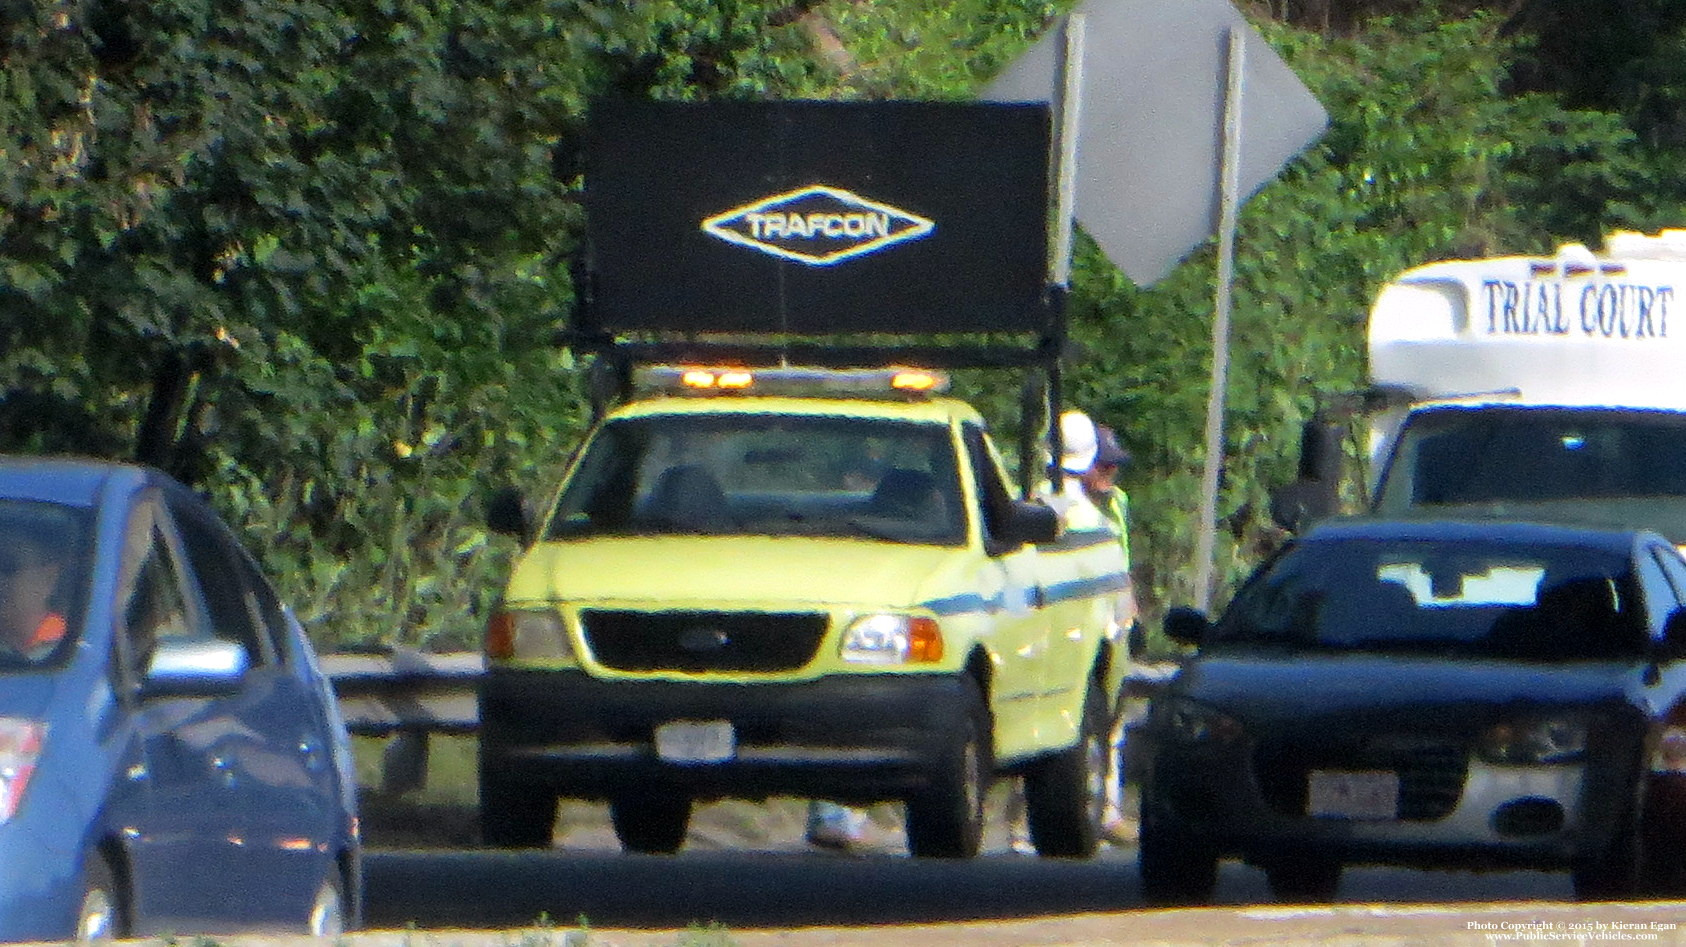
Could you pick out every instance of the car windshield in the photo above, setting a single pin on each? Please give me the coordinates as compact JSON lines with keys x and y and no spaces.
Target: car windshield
{"x":1459,"y":598}
{"x":765,"y":474}
{"x":43,"y":569}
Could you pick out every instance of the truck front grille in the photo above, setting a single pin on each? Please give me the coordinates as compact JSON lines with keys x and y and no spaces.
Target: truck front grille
{"x":1431,"y":772}
{"x":702,"y":641}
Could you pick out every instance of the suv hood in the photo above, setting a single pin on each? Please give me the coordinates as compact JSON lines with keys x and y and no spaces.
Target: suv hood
{"x":748,"y":570}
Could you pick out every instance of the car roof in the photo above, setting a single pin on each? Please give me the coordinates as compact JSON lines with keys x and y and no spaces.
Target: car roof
{"x":1475,"y":529}
{"x":74,"y":481}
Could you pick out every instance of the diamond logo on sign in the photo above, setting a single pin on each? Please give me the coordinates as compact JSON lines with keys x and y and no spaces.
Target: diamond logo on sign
{"x":817,"y":225}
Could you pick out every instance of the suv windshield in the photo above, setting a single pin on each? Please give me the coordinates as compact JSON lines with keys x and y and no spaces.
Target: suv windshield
{"x":1460,"y":598}
{"x":43,"y":566}
{"x":768,"y":475}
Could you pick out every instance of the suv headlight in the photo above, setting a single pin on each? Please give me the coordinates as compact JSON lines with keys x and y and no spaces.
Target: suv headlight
{"x":1546,"y":740}
{"x":892,"y":639}
{"x":528,"y":634}
{"x":1188,"y":721}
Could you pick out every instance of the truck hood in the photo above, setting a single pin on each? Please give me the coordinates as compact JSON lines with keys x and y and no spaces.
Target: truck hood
{"x":749,"y":570}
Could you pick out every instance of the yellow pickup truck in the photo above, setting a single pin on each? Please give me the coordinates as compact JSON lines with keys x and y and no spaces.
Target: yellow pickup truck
{"x":783,"y":582}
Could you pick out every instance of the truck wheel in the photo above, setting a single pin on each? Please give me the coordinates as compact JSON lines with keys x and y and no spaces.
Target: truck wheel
{"x":1065,"y":794}
{"x":650,"y":825}
{"x":514,"y":815}
{"x":1610,"y":875}
{"x":1175,"y":868}
{"x":945,"y":820}
{"x":1303,"y":879}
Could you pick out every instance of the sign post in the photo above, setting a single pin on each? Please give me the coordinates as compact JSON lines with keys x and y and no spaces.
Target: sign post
{"x":1159,"y":113}
{"x":1229,"y":184}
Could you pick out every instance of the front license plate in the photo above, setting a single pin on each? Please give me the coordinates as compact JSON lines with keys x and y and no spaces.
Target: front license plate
{"x":1342,"y":794}
{"x":696,"y":741}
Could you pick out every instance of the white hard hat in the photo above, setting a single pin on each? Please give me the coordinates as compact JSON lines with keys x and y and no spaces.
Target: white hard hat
{"x":1078,"y":442}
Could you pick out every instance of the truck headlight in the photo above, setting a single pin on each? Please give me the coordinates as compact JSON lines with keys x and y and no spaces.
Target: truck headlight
{"x":892,"y":639}
{"x":1547,"y":740}
{"x":528,"y":634}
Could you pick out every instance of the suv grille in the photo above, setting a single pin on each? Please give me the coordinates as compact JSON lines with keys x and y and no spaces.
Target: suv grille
{"x":702,"y":641}
{"x":1431,"y":773}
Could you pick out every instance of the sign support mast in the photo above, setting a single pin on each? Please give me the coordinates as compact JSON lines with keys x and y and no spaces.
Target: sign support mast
{"x":1067,"y":113}
{"x":1229,"y":198}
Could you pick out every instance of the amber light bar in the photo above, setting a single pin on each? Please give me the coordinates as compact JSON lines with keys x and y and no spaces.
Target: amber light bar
{"x":793,"y":380}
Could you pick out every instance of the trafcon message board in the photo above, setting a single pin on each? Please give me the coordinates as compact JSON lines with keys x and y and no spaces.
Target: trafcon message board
{"x":817,"y":218}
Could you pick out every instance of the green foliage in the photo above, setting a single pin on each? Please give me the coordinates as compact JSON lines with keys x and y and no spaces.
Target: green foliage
{"x":312,"y":257}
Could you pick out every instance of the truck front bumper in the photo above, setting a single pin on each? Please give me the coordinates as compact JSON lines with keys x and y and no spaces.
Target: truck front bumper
{"x":858,"y":738}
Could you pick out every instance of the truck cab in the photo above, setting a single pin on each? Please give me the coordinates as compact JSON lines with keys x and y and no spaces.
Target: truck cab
{"x":758,"y":582}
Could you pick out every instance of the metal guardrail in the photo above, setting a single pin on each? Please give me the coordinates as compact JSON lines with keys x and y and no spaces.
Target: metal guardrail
{"x":402,"y":691}
{"x":407,"y":695}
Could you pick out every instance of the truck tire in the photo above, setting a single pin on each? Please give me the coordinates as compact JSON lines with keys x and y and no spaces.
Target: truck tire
{"x":1175,"y":868}
{"x":945,"y":820}
{"x":513,"y":815}
{"x":1303,"y":879}
{"x":1065,"y":794}
{"x":650,"y":825}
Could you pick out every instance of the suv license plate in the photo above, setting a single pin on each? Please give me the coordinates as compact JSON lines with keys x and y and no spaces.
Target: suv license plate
{"x":696,"y":741}
{"x":1353,"y":795}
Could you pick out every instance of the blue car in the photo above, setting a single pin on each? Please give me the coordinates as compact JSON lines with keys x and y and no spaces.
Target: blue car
{"x":172,"y":759}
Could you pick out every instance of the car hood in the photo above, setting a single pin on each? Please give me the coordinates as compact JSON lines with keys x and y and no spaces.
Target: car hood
{"x":746,"y":570}
{"x":1294,"y":685}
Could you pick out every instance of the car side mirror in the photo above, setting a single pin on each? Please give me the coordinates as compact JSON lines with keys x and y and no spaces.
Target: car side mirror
{"x":1673,"y":645}
{"x":506,"y":513}
{"x":1028,"y":522}
{"x":1186,"y":625}
{"x":195,"y":667}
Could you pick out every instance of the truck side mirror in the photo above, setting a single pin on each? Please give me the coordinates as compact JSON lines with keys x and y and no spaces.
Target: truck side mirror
{"x":506,"y":513}
{"x":1186,"y":625}
{"x":1315,"y":493}
{"x":1028,"y":522}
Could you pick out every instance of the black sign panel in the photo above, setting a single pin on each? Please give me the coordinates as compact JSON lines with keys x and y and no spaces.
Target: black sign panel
{"x":817,"y":218}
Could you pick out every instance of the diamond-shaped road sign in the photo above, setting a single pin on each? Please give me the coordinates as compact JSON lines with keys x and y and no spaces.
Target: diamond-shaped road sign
{"x":1150,"y":129}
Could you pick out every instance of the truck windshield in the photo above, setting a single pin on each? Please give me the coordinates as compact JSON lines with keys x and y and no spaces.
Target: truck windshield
{"x":756,"y":474}
{"x":1524,"y":602}
{"x":1621,"y":467}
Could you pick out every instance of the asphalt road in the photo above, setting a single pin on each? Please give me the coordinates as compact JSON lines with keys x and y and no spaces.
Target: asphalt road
{"x":773,"y":890}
